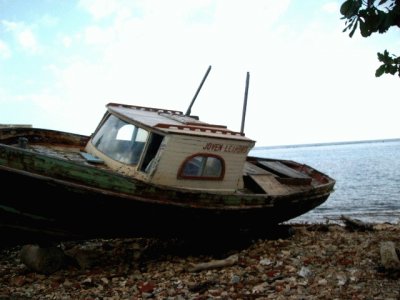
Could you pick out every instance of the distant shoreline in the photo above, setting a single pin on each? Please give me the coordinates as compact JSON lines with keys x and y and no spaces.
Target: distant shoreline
{"x":328,"y":144}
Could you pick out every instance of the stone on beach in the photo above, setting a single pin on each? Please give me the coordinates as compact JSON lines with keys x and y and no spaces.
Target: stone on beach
{"x":44,"y":260}
{"x":333,"y":263}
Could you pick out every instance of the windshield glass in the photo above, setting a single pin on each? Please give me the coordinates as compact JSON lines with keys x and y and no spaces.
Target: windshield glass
{"x":120,"y":140}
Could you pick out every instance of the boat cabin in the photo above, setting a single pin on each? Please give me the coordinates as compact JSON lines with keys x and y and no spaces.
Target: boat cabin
{"x":166,"y":147}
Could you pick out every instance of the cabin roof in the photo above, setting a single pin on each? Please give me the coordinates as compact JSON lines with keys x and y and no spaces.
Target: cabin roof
{"x":171,"y":121}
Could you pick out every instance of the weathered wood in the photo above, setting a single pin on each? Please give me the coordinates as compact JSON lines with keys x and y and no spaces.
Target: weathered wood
{"x":180,"y":147}
{"x":389,"y":257}
{"x":356,"y":225}
{"x":282,"y":170}
{"x":294,"y":181}
{"x":269,"y":184}
{"x":250,"y":169}
{"x":133,"y":202}
{"x":214,"y":264}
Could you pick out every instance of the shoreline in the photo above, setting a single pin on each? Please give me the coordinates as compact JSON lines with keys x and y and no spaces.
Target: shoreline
{"x":317,"y":261}
{"x":373,"y":217}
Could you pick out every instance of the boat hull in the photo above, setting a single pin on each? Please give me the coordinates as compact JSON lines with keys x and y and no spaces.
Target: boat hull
{"x":42,"y":210}
{"x":46,"y":198}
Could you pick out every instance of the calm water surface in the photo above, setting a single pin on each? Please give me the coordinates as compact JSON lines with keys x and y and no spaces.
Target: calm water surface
{"x":367,"y":178}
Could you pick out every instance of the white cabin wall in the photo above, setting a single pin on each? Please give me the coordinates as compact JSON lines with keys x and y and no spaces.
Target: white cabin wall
{"x":179,"y":147}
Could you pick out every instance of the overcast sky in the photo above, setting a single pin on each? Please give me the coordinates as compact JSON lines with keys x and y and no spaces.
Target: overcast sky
{"x":62,"y":61}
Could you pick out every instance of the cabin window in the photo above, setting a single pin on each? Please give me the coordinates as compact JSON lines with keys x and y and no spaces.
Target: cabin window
{"x":203,"y":166}
{"x":120,"y":140}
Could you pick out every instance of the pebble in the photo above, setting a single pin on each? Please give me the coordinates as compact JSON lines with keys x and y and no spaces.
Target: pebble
{"x":332,"y":264}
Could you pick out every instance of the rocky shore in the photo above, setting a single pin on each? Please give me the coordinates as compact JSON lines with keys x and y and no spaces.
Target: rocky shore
{"x":325,"y":261}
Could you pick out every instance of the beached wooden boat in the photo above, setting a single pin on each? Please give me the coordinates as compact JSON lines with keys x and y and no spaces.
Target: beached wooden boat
{"x":147,"y":172}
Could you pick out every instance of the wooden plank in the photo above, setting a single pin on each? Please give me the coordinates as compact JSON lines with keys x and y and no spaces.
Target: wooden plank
{"x":269,"y":184}
{"x":180,"y":147}
{"x":282,"y":170}
{"x":294,"y":181}
{"x":251,"y":169}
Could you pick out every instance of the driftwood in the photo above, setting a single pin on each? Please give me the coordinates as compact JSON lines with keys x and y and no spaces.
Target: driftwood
{"x":389,"y":258}
{"x":214,"y":264}
{"x":356,"y":225}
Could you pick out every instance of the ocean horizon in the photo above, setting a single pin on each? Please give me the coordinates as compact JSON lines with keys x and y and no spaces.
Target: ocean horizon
{"x":367,"y":175}
{"x":328,"y":143}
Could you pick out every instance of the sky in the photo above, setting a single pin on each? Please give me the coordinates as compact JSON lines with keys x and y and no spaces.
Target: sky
{"x":62,"y":61}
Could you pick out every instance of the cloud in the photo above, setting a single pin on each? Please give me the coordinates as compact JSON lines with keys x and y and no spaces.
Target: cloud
{"x":10,"y":26}
{"x":48,"y":20}
{"x":23,"y":34}
{"x":5,"y":51}
{"x":158,"y":57}
{"x":254,"y":14}
{"x":95,"y":35}
{"x":66,"y":41}
{"x":305,"y":73}
{"x":27,"y":40}
{"x":330,"y":7}
{"x":104,"y":8}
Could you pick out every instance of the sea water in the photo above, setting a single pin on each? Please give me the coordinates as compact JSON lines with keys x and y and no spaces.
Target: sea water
{"x":367,"y":178}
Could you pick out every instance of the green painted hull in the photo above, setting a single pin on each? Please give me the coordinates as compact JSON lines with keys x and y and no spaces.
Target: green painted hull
{"x":47,"y":196}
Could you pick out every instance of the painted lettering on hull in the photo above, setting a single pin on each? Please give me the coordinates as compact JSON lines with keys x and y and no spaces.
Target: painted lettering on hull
{"x":216,"y":147}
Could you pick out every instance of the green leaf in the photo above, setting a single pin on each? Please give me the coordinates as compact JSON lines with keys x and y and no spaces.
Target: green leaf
{"x":385,"y":58}
{"x":347,"y":27}
{"x":390,"y":19}
{"x":380,"y":57}
{"x":345,"y":7}
{"x":392,"y":70}
{"x":380,"y":71}
{"x":350,"y":7}
{"x":364,"y":30}
{"x":354,"y":29}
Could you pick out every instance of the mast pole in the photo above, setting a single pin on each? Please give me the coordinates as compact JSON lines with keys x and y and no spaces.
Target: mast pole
{"x":245,"y":103}
{"x":197,"y":92}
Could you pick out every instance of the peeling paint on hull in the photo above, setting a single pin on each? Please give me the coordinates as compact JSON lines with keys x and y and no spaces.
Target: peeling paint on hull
{"x":54,"y":197}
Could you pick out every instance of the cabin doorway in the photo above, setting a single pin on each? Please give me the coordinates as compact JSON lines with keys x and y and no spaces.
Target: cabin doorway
{"x":152,"y":149}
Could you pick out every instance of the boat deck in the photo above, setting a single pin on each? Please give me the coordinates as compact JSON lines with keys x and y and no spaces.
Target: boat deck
{"x":263,"y":177}
{"x":260,"y":176}
{"x":279,"y":177}
{"x":67,"y":152}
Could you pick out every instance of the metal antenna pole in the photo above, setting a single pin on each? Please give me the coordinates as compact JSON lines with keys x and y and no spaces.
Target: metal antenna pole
{"x":245,"y":103}
{"x":197,"y":92}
